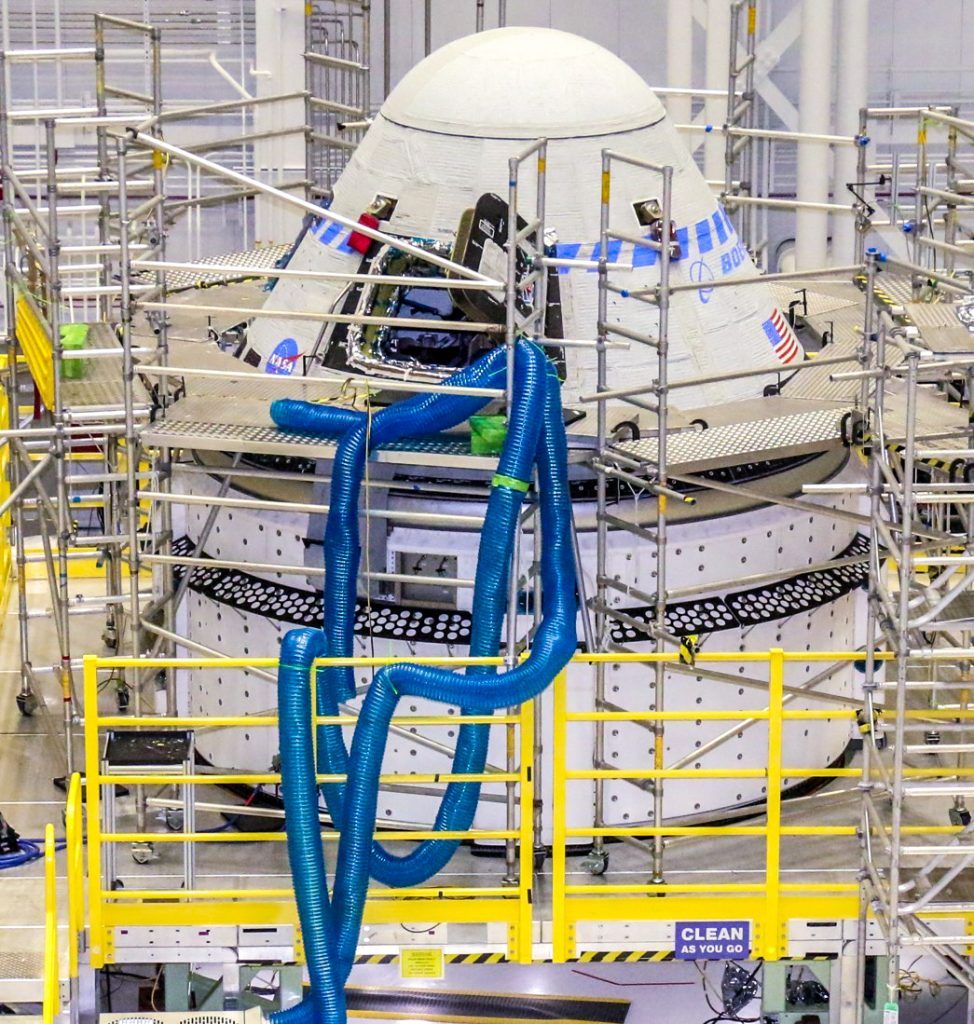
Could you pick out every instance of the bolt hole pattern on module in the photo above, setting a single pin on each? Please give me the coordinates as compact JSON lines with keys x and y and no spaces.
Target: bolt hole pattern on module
{"x":535,"y":442}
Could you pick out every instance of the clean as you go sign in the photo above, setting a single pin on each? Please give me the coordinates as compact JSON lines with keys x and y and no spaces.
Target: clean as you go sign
{"x":713,"y":940}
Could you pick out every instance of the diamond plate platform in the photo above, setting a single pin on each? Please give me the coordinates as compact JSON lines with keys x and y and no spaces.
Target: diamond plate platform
{"x":815,"y":383}
{"x":209,"y":273}
{"x":797,"y":433}
{"x":21,"y":977}
{"x":262,"y":440}
{"x":102,"y":380}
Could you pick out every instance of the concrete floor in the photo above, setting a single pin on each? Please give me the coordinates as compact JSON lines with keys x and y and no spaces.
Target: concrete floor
{"x":31,"y":754}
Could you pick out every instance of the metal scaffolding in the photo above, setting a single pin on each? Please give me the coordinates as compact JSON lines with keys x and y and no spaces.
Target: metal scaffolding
{"x":125,"y":411}
{"x":915,"y":821}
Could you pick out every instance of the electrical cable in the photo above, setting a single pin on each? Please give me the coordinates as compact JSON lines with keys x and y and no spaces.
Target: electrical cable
{"x":29,"y":851}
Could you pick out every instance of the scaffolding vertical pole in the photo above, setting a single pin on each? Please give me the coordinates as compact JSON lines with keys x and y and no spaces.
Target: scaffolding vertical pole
{"x":502,"y":13}
{"x":950,"y":211}
{"x":920,"y":209}
{"x":510,"y":650}
{"x":131,"y":438}
{"x":59,"y":445}
{"x":876,"y":361}
{"x":905,"y":555}
{"x":738,"y":150}
{"x":479,"y":23}
{"x":164,"y":481}
{"x":309,"y":109}
{"x":366,"y":59}
{"x":386,"y":47}
{"x":750,"y":94}
{"x":26,"y":698}
{"x":104,"y":172}
{"x":539,"y":312}
{"x":869,"y":329}
{"x":427,"y":27}
{"x":862,"y":210}
{"x":662,"y":391}
{"x":601,"y":497}
{"x":510,"y":322}
{"x":534,"y":283}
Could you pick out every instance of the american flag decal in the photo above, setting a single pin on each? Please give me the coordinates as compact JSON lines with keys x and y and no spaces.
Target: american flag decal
{"x":783,"y":341}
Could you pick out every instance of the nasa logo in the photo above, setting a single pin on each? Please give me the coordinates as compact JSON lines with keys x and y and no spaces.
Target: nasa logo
{"x":700,"y":273}
{"x":283,"y":358}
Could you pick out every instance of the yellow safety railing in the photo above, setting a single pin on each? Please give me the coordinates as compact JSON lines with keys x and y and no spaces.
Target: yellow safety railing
{"x":52,"y":979}
{"x":769,"y":903}
{"x":6,"y":557}
{"x":110,"y":908}
{"x":74,"y":836}
{"x":34,"y":336}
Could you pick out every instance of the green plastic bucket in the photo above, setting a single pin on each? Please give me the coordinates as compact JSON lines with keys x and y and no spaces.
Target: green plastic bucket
{"x":74,"y":337}
{"x":487,"y":434}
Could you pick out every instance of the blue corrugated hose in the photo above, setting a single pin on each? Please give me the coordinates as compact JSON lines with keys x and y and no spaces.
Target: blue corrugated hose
{"x":535,"y":438}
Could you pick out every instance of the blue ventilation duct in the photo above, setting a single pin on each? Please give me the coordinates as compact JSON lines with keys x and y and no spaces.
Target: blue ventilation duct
{"x":535,"y":441}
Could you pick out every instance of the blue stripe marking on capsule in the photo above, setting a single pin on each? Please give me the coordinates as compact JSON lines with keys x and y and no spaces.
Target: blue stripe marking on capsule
{"x":704,"y":241}
{"x":719,"y":227}
{"x":331,"y":230}
{"x":643,"y":255}
{"x":566,"y":251}
{"x":683,"y":239}
{"x":611,"y":255}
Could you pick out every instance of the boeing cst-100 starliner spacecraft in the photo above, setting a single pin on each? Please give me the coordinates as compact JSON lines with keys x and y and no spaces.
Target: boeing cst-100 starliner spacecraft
{"x":429,"y":170}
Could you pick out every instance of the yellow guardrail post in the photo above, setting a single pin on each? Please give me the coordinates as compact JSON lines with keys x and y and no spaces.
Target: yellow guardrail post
{"x":561,"y":946}
{"x":93,"y":794}
{"x":52,"y":981}
{"x":74,"y":834}
{"x":772,"y":938}
{"x":525,"y":882}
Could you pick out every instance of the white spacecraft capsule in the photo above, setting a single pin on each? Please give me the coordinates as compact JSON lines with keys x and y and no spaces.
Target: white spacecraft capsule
{"x":437,"y":150}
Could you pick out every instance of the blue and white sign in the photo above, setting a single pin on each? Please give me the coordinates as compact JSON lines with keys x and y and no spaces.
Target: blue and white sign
{"x":713,"y":940}
{"x":284,"y":357}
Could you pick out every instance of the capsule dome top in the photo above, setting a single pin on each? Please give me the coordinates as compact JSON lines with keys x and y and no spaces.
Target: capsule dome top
{"x":523,"y":83}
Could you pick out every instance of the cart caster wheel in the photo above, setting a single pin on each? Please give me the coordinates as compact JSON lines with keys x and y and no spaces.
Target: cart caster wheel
{"x":110,"y":638}
{"x":27,"y":703}
{"x":959,"y":817}
{"x":174,"y":819}
{"x":142,"y":853}
{"x":596,"y":863}
{"x":540,"y":856}
{"x":122,"y":699}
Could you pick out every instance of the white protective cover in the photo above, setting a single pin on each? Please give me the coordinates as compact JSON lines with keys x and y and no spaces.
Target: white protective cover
{"x":444,"y":137}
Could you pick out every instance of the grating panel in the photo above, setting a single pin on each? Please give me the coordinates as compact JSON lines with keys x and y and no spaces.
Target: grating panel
{"x":773,"y":437}
{"x":234,"y":437}
{"x":448,"y":451}
{"x":265,"y":257}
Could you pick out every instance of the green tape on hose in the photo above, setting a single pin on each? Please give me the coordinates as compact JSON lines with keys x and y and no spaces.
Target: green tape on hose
{"x":510,"y":482}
